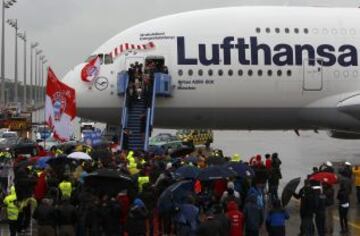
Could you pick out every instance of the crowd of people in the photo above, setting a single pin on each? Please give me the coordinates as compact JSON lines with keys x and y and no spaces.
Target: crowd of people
{"x":141,"y":80}
{"x":61,"y":201}
{"x":319,"y":199}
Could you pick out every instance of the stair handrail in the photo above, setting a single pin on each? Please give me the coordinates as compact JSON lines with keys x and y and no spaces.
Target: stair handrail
{"x":125,"y":110}
{"x":147,"y":130}
{"x":153,"y":99}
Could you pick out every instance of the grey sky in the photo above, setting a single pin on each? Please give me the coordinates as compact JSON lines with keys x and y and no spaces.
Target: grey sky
{"x":69,"y":30}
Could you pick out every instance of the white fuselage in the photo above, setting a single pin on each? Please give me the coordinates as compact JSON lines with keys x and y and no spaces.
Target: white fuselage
{"x":270,"y":68}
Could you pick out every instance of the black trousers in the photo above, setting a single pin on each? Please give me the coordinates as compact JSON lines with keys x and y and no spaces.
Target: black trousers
{"x":320,"y":223}
{"x":277,"y":231}
{"x":343,"y":215}
{"x":13,"y":227}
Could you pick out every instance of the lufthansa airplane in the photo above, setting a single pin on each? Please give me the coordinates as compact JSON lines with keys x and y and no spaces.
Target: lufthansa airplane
{"x":253,"y":68}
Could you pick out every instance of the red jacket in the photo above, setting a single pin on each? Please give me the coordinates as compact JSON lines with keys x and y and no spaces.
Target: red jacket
{"x":268,"y":163}
{"x":236,"y":218}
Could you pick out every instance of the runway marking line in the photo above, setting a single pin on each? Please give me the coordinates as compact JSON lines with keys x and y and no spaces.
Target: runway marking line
{"x":356,"y":226}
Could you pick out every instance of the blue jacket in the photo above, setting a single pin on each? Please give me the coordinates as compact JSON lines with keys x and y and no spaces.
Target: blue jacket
{"x":277,"y":217}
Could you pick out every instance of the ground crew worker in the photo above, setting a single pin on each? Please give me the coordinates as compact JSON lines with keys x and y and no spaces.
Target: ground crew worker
{"x":12,"y":211}
{"x":141,"y":181}
{"x":66,"y":188}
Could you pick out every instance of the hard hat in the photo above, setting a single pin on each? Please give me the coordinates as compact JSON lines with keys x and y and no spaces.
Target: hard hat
{"x":347,"y":163}
{"x":328,"y":163}
{"x":235,"y":157}
{"x":168,"y":166}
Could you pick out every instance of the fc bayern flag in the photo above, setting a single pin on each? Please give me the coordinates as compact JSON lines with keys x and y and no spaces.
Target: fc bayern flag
{"x":60,"y":107}
{"x":91,"y":70}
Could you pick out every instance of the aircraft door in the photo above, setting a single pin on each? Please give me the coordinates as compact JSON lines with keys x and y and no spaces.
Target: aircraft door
{"x":132,"y":60}
{"x":313,"y":75}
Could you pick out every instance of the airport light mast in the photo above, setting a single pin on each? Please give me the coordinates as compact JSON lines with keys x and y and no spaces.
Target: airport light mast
{"x":33,"y":46}
{"x":5,"y":5}
{"x":23,"y":37}
{"x":13,"y":23}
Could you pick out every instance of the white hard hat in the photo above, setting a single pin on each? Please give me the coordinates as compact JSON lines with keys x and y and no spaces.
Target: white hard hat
{"x":347,"y":163}
{"x":328,"y":163}
{"x":168,"y":166}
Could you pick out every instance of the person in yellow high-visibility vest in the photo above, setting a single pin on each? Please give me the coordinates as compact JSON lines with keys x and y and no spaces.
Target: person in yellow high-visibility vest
{"x":65,"y":188}
{"x":132,"y":165}
{"x":141,"y":181}
{"x":12,"y":210}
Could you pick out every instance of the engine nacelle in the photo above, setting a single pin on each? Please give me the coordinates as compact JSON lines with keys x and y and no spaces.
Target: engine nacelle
{"x":339,"y":134}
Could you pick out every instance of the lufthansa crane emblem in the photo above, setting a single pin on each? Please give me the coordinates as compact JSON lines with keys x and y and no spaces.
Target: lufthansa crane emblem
{"x":101,"y":83}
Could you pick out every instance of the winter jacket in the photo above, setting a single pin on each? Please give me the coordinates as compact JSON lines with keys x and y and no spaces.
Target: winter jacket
{"x":236,"y":219}
{"x":277,"y":217}
{"x":188,"y":214}
{"x":253,"y":215}
{"x":66,"y":214}
{"x":45,"y":215}
{"x":136,"y":220}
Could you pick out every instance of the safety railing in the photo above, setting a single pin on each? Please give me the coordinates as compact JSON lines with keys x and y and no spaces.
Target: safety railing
{"x":124,"y":111}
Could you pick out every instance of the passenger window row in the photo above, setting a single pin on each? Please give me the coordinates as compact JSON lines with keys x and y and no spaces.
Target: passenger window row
{"x":285,"y":30}
{"x":288,"y":30}
{"x":240,"y":72}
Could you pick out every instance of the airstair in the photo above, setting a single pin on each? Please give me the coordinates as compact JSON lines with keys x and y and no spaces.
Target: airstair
{"x":138,"y":113}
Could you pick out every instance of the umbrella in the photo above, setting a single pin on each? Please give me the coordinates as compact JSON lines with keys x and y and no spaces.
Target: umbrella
{"x":108,"y":181}
{"x":327,"y":177}
{"x":79,"y":156}
{"x":187,"y":172}
{"x":182,"y":151}
{"x":289,"y":190}
{"x":215,"y":160}
{"x":192,"y":159}
{"x":59,"y":161}
{"x":175,"y":194}
{"x":215,"y":172}
{"x":241,"y":169}
{"x":42,"y":162}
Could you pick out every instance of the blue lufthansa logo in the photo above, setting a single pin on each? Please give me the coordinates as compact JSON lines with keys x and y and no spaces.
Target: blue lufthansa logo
{"x":251,"y":52}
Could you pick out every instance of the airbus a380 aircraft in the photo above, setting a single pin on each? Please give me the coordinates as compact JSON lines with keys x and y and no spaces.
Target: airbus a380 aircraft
{"x":256,"y":68}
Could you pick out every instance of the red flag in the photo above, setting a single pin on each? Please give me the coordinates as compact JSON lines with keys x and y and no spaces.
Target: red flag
{"x":60,"y":107}
{"x":91,"y":70}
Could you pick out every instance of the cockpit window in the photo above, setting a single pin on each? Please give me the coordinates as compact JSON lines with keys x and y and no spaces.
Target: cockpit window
{"x":90,"y":58}
{"x":105,"y":59}
{"x":108,"y":59}
{"x":101,"y":56}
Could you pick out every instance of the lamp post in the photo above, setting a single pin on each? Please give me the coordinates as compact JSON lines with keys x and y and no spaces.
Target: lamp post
{"x":42,"y":57}
{"x":5,"y":5}
{"x":23,"y":37}
{"x":33,"y":46}
{"x":43,"y":81}
{"x":38,"y":52}
{"x":13,"y":23}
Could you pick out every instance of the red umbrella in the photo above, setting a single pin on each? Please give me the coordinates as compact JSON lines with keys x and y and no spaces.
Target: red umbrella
{"x":327,"y":177}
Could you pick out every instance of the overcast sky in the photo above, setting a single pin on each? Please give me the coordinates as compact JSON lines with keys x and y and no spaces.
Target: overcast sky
{"x":69,"y":30}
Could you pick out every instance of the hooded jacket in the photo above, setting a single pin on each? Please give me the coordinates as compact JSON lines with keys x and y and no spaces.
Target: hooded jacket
{"x":236,"y":219}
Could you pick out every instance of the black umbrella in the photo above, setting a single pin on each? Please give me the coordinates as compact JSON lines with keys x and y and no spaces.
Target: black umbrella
{"x":216,"y":172}
{"x":215,"y":160}
{"x":175,"y":194}
{"x":59,"y":161}
{"x":182,"y":151}
{"x":108,"y":181}
{"x":242,"y":169}
{"x":289,"y":190}
{"x":187,"y":172}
